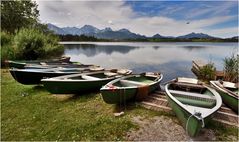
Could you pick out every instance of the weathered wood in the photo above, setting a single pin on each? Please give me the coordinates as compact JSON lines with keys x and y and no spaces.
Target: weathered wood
{"x":157,"y":101}
{"x":197,"y":65}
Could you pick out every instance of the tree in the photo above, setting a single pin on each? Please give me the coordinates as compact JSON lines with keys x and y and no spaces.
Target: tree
{"x":16,"y":14}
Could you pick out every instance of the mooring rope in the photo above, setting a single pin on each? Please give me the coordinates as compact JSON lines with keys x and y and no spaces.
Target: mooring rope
{"x":196,"y":114}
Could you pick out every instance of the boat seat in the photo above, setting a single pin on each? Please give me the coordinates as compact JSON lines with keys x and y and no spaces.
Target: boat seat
{"x":86,"y":77}
{"x":183,"y":84}
{"x":131,"y":83}
{"x":109,"y":74}
{"x":194,"y":99}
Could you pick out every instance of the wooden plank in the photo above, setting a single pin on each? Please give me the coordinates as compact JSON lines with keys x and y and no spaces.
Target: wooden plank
{"x":156,"y":98}
{"x":158,"y":106}
{"x":228,"y":114}
{"x":226,"y":122}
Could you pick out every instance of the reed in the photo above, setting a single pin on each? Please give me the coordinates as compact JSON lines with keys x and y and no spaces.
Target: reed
{"x":231,"y":68}
{"x":207,"y":72}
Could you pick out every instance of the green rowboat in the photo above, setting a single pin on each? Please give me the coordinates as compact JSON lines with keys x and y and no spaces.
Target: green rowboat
{"x":79,"y":83}
{"x":193,"y":102}
{"x":130,"y":87}
{"x":34,"y":76}
{"x":38,"y":63}
{"x":229,"y":93}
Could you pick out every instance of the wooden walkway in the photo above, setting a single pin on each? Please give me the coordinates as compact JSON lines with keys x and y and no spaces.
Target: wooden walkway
{"x":157,"y":101}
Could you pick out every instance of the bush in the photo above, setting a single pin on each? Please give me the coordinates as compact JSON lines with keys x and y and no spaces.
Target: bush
{"x":7,"y":49}
{"x":5,"y":38}
{"x":231,"y":68}
{"x":32,"y":44}
{"x":207,"y":72}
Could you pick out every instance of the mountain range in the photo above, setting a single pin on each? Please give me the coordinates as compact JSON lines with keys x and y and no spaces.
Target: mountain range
{"x":108,"y":33}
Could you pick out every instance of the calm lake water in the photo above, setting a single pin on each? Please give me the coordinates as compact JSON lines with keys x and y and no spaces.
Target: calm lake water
{"x":171,"y":59}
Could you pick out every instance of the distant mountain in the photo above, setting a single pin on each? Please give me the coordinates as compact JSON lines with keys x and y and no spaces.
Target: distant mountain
{"x":56,"y":29}
{"x":70,"y":30}
{"x":235,"y":37}
{"x":121,"y":34}
{"x":89,"y":30}
{"x":195,"y":35}
{"x":157,"y":36}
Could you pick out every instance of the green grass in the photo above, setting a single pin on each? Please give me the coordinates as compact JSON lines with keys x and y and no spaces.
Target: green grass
{"x":41,"y":116}
{"x":32,"y":113}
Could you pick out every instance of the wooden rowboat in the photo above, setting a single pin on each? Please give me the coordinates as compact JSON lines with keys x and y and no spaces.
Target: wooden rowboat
{"x":34,"y":76}
{"x":78,"y":83}
{"x":130,"y":87}
{"x":193,"y":102}
{"x":229,"y":93}
{"x":38,"y":63}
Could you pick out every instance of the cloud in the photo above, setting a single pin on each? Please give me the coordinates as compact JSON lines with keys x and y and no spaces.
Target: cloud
{"x":118,"y":14}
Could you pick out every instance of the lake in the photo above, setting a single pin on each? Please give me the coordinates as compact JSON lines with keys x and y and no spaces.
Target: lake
{"x":173,"y":59}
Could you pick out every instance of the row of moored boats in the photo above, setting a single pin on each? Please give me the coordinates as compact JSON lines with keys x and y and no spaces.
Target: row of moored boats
{"x":193,"y":101}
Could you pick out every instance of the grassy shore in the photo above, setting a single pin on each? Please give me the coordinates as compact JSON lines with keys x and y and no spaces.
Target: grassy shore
{"x":31,"y":113}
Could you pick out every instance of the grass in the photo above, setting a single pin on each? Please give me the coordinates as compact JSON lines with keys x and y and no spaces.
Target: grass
{"x":31,"y":113}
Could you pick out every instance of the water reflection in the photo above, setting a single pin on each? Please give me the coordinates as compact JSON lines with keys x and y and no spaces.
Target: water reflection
{"x":91,"y":49}
{"x":172,"y":59}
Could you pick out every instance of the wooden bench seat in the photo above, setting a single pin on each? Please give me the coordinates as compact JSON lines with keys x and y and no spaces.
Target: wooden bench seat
{"x":190,"y":94}
{"x":187,"y":85}
{"x":194,"y":99}
{"x":86,"y":77}
{"x":131,"y":83}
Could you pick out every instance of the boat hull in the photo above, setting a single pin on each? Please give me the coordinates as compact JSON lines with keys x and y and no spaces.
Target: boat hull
{"x":118,"y":96}
{"x":30,"y":78}
{"x":194,"y":125}
{"x":228,"y":100}
{"x":76,"y":87}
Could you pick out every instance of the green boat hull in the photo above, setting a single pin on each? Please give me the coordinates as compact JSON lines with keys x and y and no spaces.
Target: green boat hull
{"x":19,"y":65}
{"x":230,"y":101}
{"x":30,"y":78}
{"x":194,"y":125}
{"x":119,"y":96}
{"x":77,"y":87}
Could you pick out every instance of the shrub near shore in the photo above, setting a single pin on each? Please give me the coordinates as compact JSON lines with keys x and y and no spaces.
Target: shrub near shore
{"x":29,"y":44}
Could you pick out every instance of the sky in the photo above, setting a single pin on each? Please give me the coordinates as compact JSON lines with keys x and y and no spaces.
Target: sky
{"x":167,"y":18}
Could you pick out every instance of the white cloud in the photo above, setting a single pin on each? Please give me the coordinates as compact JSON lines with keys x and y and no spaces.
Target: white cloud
{"x":117,"y":15}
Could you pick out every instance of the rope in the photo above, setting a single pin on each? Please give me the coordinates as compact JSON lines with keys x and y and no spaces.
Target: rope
{"x":124,"y":100}
{"x":187,"y":123}
{"x":196,"y":114}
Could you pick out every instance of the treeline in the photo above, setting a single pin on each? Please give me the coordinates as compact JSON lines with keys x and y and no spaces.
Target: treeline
{"x":22,"y":36}
{"x":69,"y":37}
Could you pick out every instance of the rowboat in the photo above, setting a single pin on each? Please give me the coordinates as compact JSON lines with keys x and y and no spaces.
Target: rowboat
{"x":34,"y":76}
{"x":229,"y":93}
{"x":38,"y":63}
{"x":193,"y":102}
{"x":78,"y":83}
{"x":130,"y":87}
{"x":62,"y":65}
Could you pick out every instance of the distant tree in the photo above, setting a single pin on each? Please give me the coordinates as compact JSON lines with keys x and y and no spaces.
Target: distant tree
{"x":16,"y":14}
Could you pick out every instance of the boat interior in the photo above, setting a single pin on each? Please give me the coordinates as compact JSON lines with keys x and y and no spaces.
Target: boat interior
{"x":95,"y":76}
{"x":135,"y":81}
{"x":192,"y":94}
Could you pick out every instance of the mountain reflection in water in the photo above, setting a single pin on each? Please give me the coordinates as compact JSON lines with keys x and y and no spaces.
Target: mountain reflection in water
{"x":171,"y":59}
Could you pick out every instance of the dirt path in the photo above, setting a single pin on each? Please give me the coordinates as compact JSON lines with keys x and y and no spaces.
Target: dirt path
{"x":163,"y":128}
